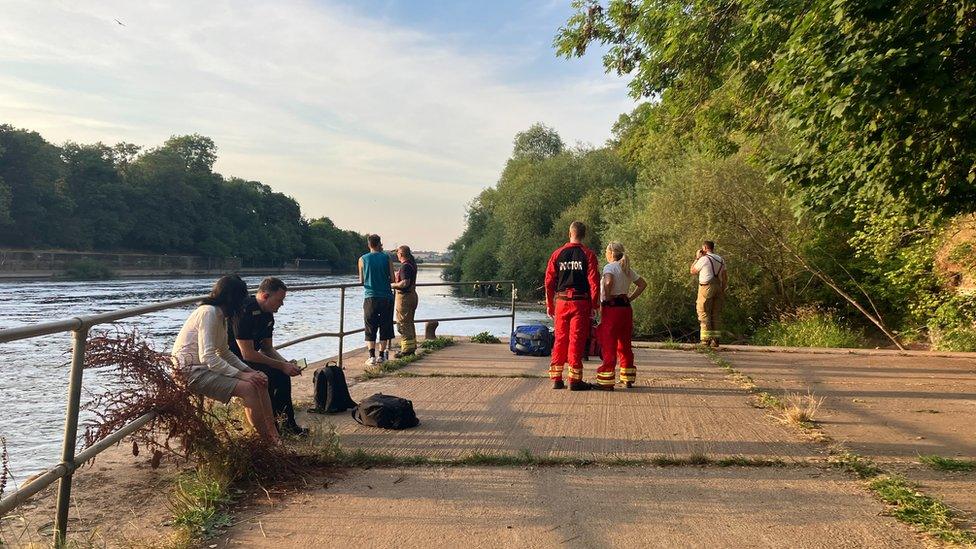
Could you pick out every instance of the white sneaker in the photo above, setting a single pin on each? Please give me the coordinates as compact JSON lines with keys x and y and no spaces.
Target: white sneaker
{"x":371,"y":361}
{"x":379,"y":360}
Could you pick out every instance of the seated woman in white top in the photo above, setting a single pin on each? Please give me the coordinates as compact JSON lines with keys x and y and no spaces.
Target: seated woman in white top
{"x":204,"y":360}
{"x":617,"y":319}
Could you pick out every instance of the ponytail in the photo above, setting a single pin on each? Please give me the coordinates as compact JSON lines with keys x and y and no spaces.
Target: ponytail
{"x":624,"y":262}
{"x":617,"y":250}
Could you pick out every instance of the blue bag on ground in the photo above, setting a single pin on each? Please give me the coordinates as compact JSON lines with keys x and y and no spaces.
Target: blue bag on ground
{"x":534,"y":340}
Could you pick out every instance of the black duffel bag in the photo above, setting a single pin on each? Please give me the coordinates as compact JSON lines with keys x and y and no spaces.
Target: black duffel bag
{"x":386,"y":412}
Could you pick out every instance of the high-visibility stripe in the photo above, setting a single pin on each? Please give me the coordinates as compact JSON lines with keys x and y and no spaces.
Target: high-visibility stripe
{"x":604,"y":382}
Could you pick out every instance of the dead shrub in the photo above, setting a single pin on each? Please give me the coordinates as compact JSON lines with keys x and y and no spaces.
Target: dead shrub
{"x":800,"y":409}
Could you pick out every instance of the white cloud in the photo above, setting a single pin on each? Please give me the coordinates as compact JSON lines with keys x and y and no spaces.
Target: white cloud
{"x":379,"y":127}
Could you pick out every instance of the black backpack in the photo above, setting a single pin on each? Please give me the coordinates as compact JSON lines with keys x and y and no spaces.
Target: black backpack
{"x":331,"y":391}
{"x":386,"y":411}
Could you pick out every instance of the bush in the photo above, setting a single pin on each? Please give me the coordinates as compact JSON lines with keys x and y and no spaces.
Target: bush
{"x":808,"y":328}
{"x":436,"y":344}
{"x":953,"y":327}
{"x":87,"y":269}
{"x":484,"y":337}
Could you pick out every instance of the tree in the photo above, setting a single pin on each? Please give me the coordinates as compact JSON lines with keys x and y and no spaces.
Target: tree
{"x":537,"y":143}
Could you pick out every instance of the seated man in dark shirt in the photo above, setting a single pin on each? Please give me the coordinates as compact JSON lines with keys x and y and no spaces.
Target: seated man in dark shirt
{"x":250,"y":338}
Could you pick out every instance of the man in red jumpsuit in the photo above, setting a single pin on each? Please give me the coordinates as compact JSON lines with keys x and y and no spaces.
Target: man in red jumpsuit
{"x":572,"y":298}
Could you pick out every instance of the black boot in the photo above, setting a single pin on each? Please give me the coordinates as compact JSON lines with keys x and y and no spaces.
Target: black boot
{"x":558,"y":384}
{"x":579,"y":385}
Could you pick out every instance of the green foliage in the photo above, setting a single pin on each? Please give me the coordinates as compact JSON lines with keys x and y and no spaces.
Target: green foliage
{"x":162,"y":200}
{"x":808,"y":328}
{"x":880,"y":98}
{"x":198,"y":503}
{"x":701,"y":197}
{"x":87,"y":269}
{"x":484,"y":337}
{"x":513,"y":227}
{"x":948,"y":464}
{"x":859,"y":115}
{"x":538,"y":142}
{"x":924,"y":512}
{"x":436,"y":344}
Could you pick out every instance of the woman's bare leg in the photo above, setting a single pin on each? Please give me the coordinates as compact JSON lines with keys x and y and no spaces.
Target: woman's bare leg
{"x":258,"y":415}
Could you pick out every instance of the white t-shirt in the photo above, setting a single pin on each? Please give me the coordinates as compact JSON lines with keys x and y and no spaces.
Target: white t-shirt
{"x":621,"y":282}
{"x":709,"y":266}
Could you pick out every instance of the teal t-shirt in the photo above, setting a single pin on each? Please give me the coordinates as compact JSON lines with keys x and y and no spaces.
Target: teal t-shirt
{"x":376,"y":275}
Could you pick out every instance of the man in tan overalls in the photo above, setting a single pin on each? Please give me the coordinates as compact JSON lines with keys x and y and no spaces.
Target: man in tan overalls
{"x":713,"y":280}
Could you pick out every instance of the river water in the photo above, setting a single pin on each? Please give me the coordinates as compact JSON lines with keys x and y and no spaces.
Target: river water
{"x":34,"y":372}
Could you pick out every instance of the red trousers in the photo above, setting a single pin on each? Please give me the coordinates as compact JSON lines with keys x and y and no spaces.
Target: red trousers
{"x":615,"y":332}
{"x":572,"y":326}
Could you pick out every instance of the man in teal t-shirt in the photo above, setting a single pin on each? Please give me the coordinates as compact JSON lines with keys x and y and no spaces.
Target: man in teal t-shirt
{"x":376,"y":274}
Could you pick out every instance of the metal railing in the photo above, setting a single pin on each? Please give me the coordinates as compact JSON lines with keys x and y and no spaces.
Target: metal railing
{"x":80,"y":326}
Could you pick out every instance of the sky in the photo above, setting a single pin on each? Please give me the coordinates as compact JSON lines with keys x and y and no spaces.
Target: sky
{"x":387,"y":116}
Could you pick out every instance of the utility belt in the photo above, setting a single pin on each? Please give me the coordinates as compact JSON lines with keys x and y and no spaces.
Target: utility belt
{"x":616,"y":301}
{"x":570,"y":295}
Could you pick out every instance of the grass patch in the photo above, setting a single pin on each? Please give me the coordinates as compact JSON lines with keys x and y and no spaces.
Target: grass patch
{"x":484,"y":337}
{"x":940,"y":463}
{"x":913,"y":507}
{"x":808,"y":328}
{"x":199,"y":501}
{"x":427,"y":346}
{"x":853,"y":463}
{"x":436,"y":344}
{"x":671,"y":345}
{"x":323,"y":447}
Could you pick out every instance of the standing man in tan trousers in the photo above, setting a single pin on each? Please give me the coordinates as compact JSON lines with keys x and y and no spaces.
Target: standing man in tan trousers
{"x":713,"y":280}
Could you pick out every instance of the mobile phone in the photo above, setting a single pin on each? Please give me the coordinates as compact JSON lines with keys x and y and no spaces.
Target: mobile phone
{"x":302,"y":364}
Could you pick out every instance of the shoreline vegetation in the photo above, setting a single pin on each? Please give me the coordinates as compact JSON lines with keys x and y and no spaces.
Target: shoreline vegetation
{"x":843,"y":203}
{"x":96,"y":197}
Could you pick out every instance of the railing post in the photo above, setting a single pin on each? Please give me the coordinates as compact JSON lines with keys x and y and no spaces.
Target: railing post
{"x":342,"y":321}
{"x":514,"y":295}
{"x":70,"y":434}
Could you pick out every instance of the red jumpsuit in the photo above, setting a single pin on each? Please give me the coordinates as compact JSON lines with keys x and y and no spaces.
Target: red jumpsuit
{"x":572,"y":294}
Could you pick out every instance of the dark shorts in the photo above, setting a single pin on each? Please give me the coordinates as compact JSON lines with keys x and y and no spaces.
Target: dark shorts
{"x":378,"y":318}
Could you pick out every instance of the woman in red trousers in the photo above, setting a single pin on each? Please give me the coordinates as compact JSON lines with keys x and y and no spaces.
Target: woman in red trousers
{"x":617,"y":318}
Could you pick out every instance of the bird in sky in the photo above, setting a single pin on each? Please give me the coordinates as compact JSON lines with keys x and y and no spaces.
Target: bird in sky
{"x":120,"y":22}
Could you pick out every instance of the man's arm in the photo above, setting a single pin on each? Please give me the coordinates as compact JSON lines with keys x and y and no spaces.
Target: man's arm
{"x":695,"y":267}
{"x":250,"y":354}
{"x":360,"y":264}
{"x":550,"y":284}
{"x":392,"y":273}
{"x":593,"y":275}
